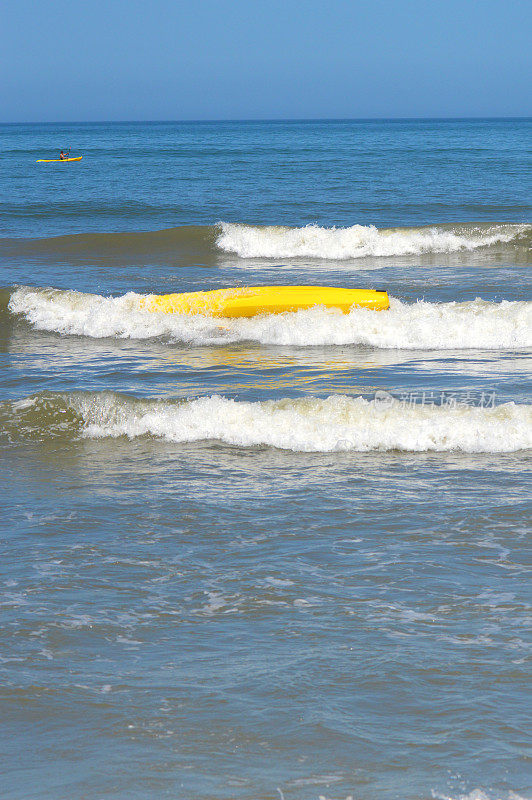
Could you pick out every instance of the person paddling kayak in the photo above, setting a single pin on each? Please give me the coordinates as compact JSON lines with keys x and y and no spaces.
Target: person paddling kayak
{"x":63,"y":156}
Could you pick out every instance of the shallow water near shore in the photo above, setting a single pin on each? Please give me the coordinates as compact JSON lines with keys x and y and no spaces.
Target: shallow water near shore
{"x":276,"y":557}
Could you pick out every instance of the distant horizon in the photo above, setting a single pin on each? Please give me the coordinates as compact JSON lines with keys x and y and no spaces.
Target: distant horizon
{"x":267,"y":119}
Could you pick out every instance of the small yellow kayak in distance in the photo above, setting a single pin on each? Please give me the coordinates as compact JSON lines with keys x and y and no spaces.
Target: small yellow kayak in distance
{"x":58,"y":160}
{"x":249,"y":301}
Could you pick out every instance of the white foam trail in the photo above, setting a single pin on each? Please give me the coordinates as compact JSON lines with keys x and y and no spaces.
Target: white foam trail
{"x":337,"y":423}
{"x":480,"y":794}
{"x":447,"y":326}
{"x":249,"y":241}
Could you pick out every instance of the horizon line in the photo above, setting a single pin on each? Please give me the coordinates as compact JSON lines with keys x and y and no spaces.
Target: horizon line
{"x":263,"y":119}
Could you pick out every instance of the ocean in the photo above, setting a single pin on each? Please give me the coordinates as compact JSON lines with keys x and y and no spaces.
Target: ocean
{"x":280,"y":557}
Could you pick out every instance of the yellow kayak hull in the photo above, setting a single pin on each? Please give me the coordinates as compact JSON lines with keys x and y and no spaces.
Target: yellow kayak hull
{"x":58,"y":160}
{"x":252,"y":300}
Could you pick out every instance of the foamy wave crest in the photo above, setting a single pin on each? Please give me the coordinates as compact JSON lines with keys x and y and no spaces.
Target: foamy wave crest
{"x":336,"y":423}
{"x":447,"y":326}
{"x":249,"y":241}
{"x":480,"y":794}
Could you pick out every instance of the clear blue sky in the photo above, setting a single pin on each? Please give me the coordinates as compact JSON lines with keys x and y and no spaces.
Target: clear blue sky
{"x":268,"y":59}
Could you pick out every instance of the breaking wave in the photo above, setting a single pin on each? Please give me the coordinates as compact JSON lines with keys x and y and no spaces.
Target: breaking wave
{"x":476,"y":324}
{"x":204,"y":244}
{"x":336,"y":423}
{"x":312,"y":241}
{"x":480,"y":794}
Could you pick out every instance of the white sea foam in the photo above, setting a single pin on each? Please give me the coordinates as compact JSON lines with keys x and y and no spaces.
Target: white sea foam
{"x":336,"y":423}
{"x":249,"y":241}
{"x":422,"y":325}
{"x":480,"y":794}
{"x":476,"y":794}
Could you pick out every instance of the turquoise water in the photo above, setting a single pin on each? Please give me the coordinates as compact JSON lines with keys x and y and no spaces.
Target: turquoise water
{"x":278,"y":557}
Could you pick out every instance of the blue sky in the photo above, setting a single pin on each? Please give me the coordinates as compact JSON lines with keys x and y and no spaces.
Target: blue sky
{"x":264,"y":59}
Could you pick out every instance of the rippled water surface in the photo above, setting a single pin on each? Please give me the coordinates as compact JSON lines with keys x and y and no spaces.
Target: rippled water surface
{"x":280,"y":557}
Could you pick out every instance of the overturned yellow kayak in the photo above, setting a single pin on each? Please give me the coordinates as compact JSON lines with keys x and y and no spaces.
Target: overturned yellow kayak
{"x":59,"y":160}
{"x":249,"y":301}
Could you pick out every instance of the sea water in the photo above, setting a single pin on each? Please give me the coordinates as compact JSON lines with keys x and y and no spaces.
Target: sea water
{"x":279,"y":557}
